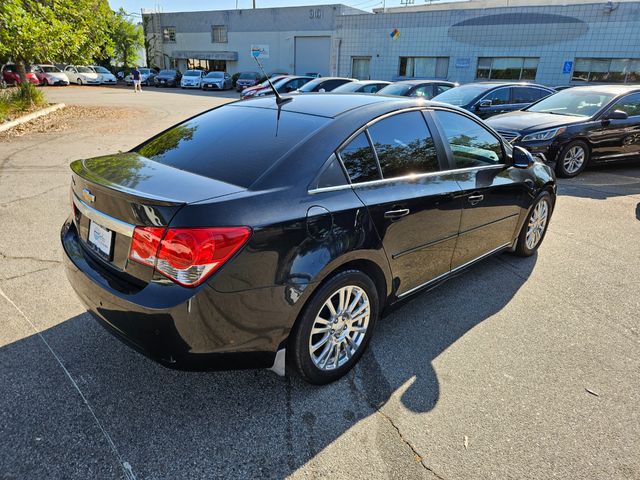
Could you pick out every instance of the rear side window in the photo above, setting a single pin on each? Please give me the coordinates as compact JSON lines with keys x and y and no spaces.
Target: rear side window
{"x":471,"y":144}
{"x":359,"y":160}
{"x":528,"y":95}
{"x":209,"y":144}
{"x":423,"y":91}
{"x":404,"y":145}
{"x":332,"y":175}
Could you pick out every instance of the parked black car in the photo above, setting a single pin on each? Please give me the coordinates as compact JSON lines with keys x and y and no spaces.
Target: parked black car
{"x":417,"y":88}
{"x":486,"y":99}
{"x":577,"y":126}
{"x":167,"y":78}
{"x":204,"y":250}
{"x":362,"y":86}
{"x":285,"y":85}
{"x":324,"y":84}
{"x":246,"y":80}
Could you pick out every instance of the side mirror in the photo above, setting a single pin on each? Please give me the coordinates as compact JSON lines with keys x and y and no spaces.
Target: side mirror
{"x":616,"y":115}
{"x":521,"y":158}
{"x":484,"y":104}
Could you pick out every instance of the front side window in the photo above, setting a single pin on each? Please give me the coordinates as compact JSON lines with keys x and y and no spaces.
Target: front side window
{"x":471,"y":144}
{"x":507,"y":68}
{"x":219,"y":34}
{"x":441,"y":88}
{"x":404,"y":145}
{"x":169,"y":34}
{"x":359,"y":160}
{"x":629,"y":104}
{"x":499,"y":96}
{"x":424,"y":67}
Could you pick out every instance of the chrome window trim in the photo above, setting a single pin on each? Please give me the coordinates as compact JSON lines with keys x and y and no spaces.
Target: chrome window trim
{"x":406,"y":178}
{"x":103,"y":219}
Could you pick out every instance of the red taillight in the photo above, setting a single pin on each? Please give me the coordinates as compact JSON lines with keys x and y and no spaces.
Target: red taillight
{"x":186,"y":255}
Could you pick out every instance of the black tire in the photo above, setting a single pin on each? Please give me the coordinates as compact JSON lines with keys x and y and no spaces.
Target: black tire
{"x":79,"y":81}
{"x":299,"y":342}
{"x":523,"y":248}
{"x":565,"y":171}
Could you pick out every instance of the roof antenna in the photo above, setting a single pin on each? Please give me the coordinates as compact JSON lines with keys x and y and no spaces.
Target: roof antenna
{"x":279,"y":99}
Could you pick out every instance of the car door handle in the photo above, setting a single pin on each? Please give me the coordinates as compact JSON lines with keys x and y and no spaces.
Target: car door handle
{"x":475,"y":199}
{"x":395,"y":214}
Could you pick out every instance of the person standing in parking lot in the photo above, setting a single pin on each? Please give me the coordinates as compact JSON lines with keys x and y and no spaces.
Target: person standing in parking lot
{"x":135,"y":75}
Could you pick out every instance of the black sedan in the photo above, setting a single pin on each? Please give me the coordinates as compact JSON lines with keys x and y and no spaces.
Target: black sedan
{"x":167,"y":78}
{"x":577,"y":126}
{"x":486,"y":99}
{"x":207,"y":251}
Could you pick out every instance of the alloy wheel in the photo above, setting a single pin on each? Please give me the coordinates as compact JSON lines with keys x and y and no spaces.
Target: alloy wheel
{"x":574,"y":159}
{"x":537,"y":224}
{"x":339,"y":328}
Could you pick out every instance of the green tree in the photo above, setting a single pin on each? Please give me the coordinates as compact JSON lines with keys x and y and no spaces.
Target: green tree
{"x":127,"y":38}
{"x":71,"y":31}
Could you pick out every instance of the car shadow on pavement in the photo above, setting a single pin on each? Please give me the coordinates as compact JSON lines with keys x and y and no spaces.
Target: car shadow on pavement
{"x":237,"y":424}
{"x":603,"y":181}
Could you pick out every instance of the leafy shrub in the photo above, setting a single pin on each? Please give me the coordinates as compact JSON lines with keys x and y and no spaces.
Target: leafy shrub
{"x":19,"y":99}
{"x":234,"y":79}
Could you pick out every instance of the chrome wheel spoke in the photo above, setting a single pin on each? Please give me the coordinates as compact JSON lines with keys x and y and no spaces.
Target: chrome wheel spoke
{"x":339,"y":328}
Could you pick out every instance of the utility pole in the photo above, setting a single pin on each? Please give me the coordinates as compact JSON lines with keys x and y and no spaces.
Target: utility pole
{"x":254,"y":4}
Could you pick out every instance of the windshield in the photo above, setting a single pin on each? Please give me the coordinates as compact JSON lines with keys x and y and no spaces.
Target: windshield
{"x":309,"y":86}
{"x":49,"y":68}
{"x":167,"y":72}
{"x":144,"y":71}
{"x":395,"y":89}
{"x":573,"y":101}
{"x":215,"y":75}
{"x":247,"y":75}
{"x":85,"y":70}
{"x":208,"y":144}
{"x":462,"y":95}
{"x":101,"y":70}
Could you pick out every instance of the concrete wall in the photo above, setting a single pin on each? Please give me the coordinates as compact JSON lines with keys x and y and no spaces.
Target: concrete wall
{"x":555,"y":34}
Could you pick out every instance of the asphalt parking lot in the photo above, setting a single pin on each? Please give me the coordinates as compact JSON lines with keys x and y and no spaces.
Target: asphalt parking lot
{"x":516,"y":369}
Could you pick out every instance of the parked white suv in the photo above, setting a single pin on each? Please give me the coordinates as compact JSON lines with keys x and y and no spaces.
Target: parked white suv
{"x":82,"y":75}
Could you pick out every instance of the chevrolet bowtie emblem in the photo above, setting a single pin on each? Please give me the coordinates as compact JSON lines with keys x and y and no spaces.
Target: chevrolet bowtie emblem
{"x":88,"y":196}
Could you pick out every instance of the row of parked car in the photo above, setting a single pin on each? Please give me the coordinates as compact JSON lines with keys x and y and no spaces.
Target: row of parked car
{"x":568,"y":128}
{"x":46,"y":74}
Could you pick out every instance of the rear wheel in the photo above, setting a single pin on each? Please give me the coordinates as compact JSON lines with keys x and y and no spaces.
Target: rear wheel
{"x":535,"y":227}
{"x":572,"y":159}
{"x":335,"y":327}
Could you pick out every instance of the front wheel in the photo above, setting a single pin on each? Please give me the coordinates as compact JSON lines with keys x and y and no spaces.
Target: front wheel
{"x":535,"y":227}
{"x":335,"y":327}
{"x":79,"y":82}
{"x":572,"y":159}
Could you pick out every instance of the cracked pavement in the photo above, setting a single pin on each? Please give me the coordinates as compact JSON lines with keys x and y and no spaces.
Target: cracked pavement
{"x":487,"y":377}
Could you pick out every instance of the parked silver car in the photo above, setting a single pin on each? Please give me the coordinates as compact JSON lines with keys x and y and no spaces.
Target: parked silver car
{"x":217,"y":81}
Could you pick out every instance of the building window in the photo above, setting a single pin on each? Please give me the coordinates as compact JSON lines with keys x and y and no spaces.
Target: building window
{"x":507,"y":68}
{"x":168,"y":34}
{"x":611,"y":70}
{"x":218,"y":33}
{"x":360,"y":68}
{"x":424,"y":67}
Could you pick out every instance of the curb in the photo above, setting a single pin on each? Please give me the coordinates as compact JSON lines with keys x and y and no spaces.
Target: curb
{"x":31,"y":116}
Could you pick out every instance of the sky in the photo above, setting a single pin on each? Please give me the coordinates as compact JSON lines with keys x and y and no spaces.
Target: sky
{"x":134,"y":6}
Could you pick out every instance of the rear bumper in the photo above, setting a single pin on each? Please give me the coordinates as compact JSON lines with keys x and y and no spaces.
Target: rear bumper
{"x":188,"y":329}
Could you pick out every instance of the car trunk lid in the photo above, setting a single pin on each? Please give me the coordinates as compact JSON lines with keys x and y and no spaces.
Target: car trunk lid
{"x":113,"y":194}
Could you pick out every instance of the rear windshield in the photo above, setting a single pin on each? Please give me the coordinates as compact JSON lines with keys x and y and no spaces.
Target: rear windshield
{"x":395,"y":89}
{"x":213,"y":146}
{"x":246,"y":75}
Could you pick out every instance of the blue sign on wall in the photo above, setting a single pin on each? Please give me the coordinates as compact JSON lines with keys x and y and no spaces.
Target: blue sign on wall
{"x":463,"y":62}
{"x":568,"y":66}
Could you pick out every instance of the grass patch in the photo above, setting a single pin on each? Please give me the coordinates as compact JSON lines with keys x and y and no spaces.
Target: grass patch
{"x":23,"y":98}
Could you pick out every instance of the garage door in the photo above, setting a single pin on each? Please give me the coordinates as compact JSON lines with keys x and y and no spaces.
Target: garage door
{"x":312,"y":55}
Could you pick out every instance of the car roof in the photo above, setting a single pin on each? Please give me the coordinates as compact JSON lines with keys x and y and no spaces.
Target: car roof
{"x":332,"y":105}
{"x":606,"y":88}
{"x":489,"y":85}
{"x":420,"y":82}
